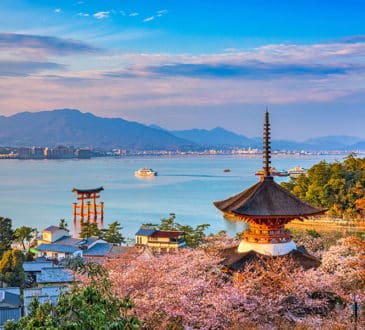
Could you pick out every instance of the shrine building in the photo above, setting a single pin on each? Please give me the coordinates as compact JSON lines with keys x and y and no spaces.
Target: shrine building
{"x":266,"y":207}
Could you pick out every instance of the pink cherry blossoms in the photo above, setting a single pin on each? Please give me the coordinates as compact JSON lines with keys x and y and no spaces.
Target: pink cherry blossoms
{"x":189,"y":290}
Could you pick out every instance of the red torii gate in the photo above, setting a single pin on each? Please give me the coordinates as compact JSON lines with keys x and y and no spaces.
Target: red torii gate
{"x":88,"y":210}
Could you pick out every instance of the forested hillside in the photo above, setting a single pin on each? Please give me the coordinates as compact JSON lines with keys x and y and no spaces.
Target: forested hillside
{"x":338,"y":186}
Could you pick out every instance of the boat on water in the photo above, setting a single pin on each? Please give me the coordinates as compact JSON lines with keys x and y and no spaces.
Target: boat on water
{"x":296,"y":171}
{"x":145,"y":172}
{"x":226,"y":170}
{"x":273,"y":172}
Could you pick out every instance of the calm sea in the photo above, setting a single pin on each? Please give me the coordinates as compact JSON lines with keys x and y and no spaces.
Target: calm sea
{"x":38,"y":193}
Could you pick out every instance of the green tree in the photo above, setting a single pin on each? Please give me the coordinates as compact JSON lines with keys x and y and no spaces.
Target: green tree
{"x":93,"y":306}
{"x":89,"y":229}
{"x":11,"y":268}
{"x":193,"y":236}
{"x":113,"y":233}
{"x":63,"y":224}
{"x":6,"y":234}
{"x":24,"y":235}
{"x":338,"y":186}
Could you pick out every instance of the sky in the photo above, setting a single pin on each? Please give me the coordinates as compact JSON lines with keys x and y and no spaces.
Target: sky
{"x":190,"y":64}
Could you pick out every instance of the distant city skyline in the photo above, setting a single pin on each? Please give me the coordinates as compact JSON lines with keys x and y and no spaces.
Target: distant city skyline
{"x":188,"y":64}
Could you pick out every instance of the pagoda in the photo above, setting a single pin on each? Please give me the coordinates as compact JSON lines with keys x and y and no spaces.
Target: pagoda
{"x":87,"y":209}
{"x":266,"y":207}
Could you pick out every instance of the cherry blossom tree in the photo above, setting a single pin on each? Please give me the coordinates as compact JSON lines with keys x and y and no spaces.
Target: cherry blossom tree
{"x":189,"y":290}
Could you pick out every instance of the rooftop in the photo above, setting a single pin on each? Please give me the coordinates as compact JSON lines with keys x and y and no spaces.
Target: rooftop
{"x":144,"y":231}
{"x":167,"y":233}
{"x":98,"y":250}
{"x":66,"y":240}
{"x":36,"y":266}
{"x":87,"y":191}
{"x":9,"y":299}
{"x":57,"y":248}
{"x":54,"y":275}
{"x":236,"y":261}
{"x":52,"y":229}
{"x":266,"y":199}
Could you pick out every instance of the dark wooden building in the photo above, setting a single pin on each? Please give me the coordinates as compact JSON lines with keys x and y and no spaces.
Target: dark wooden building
{"x":267,"y":208}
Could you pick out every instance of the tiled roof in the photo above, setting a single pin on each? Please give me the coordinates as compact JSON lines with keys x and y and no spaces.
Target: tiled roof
{"x":34,"y":266}
{"x":66,"y":240}
{"x":8,"y":299}
{"x":53,"y":290}
{"x":145,"y":232}
{"x":51,"y":229}
{"x":117,"y":249}
{"x":57,"y":248}
{"x":43,"y":294}
{"x":55,"y":275}
{"x":9,"y":314}
{"x":89,"y":241}
{"x":167,"y":233}
{"x":99,"y":249}
{"x":264,"y":199}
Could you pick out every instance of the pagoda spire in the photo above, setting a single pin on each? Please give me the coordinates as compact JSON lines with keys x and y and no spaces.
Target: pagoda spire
{"x":266,"y":147}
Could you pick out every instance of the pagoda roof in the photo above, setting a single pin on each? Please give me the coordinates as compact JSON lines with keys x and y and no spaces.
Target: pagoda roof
{"x":266,"y":199}
{"x":82,"y":191}
{"x":235,"y":261}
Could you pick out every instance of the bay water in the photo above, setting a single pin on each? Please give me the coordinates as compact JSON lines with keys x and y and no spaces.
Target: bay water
{"x":37,"y":193}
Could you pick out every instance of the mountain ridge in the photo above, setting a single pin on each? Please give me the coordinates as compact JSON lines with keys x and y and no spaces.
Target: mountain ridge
{"x":73,"y":127}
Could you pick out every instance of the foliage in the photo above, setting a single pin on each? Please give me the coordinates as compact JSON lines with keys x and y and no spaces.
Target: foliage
{"x":193,"y":236}
{"x":63,"y":224}
{"x":92,"y":306}
{"x":11,"y":268}
{"x":6,"y":234}
{"x":113,"y":233}
{"x":338,"y":187}
{"x":313,"y":233}
{"x":89,"y":229}
{"x":189,"y":290}
{"x":24,"y":235}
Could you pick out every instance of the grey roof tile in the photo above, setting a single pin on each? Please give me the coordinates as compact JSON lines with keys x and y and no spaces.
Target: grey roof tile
{"x":55,"y":275}
{"x":99,"y":249}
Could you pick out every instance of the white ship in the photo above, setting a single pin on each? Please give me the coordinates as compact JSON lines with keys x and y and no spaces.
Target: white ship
{"x":145,"y":172}
{"x":296,"y":171}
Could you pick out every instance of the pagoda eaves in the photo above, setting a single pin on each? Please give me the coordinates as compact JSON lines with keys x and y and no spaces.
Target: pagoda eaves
{"x":267,"y":207}
{"x":266,"y":199}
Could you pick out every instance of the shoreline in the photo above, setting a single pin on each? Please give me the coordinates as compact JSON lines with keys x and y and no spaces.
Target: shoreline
{"x":328,"y":224}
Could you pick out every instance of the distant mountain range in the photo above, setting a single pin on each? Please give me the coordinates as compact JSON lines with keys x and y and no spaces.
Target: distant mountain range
{"x":72,"y":127}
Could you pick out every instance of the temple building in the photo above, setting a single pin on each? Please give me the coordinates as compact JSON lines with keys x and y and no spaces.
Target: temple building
{"x":87,"y":209}
{"x":266,"y":207}
{"x":160,"y":241}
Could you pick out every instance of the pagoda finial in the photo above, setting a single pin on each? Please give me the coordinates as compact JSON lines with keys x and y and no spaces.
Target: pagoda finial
{"x":267,"y":147}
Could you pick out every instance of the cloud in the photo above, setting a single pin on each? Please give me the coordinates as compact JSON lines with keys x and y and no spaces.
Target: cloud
{"x":25,"y":68}
{"x":102,"y":14}
{"x":46,"y":44}
{"x":353,"y":39}
{"x":148,"y":19}
{"x":161,"y":12}
{"x":253,"y":70}
{"x":133,"y":14}
{"x":281,"y":75}
{"x":58,"y":10}
{"x":83,"y":14}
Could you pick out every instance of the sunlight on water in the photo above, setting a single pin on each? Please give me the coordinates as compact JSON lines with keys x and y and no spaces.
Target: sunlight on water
{"x":38,"y":193}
